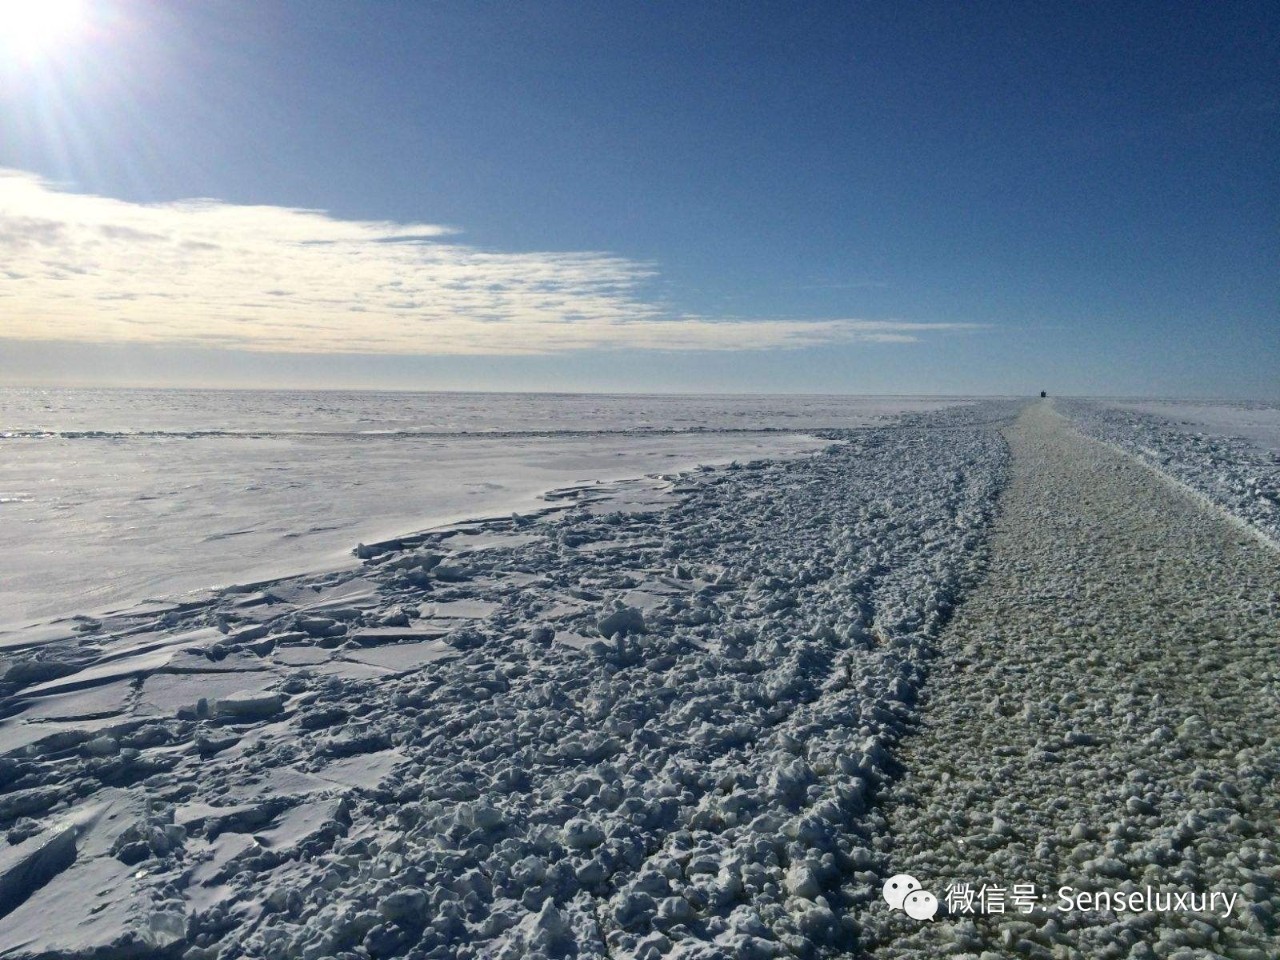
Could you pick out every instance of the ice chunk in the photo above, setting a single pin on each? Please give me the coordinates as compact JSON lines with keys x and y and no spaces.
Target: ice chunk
{"x":582,"y":834}
{"x":624,"y":620}
{"x":249,"y":705}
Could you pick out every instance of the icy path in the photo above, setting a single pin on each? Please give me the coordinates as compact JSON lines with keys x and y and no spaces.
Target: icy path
{"x":1104,"y":714}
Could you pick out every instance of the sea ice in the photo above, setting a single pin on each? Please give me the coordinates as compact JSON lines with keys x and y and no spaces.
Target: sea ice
{"x":659,"y":741}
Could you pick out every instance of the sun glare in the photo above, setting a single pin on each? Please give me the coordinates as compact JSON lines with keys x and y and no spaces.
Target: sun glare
{"x":33,"y":29}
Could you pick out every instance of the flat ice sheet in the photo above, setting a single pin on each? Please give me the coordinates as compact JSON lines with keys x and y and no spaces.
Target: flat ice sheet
{"x":381,"y":413}
{"x":92,"y":523}
{"x":108,"y":497}
{"x":402,"y":657}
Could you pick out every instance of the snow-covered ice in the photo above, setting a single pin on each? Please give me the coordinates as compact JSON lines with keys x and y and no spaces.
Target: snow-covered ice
{"x":107,"y":496}
{"x":644,"y":720}
{"x":1227,"y":453}
{"x":1251,"y":420}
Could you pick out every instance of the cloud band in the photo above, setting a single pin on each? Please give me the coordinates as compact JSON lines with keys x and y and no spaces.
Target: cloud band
{"x":79,"y":267}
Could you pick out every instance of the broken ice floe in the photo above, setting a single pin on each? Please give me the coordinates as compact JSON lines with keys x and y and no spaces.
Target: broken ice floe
{"x":654,"y":730}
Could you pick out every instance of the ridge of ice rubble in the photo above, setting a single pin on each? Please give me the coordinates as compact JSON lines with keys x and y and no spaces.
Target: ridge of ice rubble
{"x":1232,"y":473}
{"x":638,"y":725}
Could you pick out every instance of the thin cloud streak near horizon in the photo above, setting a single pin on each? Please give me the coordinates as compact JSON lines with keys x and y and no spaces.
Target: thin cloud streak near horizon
{"x":207,"y":273}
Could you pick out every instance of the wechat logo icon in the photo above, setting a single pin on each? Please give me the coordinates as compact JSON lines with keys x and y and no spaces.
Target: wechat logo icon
{"x":903,"y":892}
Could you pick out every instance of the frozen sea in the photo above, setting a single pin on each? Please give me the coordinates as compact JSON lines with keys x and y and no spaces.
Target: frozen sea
{"x":1255,"y":421}
{"x":110,"y":497}
{"x":645,"y":718}
{"x":502,"y":738}
{"x":1227,"y":452}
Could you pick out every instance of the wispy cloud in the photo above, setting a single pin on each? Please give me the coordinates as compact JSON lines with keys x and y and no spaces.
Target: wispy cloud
{"x":214,"y":274}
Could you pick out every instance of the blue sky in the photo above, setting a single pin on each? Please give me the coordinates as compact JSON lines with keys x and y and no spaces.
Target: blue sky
{"x":854,"y":197}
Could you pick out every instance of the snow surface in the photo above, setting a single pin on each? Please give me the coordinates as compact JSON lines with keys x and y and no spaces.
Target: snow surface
{"x":33,"y":410}
{"x":645,"y":721}
{"x":1227,"y":453}
{"x":1254,"y":421}
{"x":108,"y":496}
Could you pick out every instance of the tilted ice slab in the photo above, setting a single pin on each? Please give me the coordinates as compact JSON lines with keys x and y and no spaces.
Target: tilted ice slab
{"x":1240,"y":474}
{"x":649,"y":721}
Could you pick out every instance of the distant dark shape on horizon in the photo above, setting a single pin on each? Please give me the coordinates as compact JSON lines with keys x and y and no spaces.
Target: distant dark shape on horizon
{"x":1043,"y":394}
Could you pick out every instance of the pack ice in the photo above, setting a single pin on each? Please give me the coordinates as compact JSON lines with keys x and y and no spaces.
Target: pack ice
{"x":643,"y":722}
{"x":1226,"y":454}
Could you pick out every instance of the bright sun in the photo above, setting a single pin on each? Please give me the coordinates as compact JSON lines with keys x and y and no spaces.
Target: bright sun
{"x":34,"y":29}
